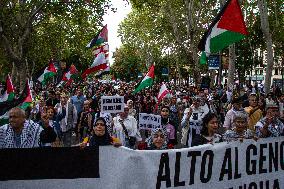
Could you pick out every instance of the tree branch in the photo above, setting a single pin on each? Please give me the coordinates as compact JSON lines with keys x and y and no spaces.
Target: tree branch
{"x":7,"y":46}
{"x":29,"y":22}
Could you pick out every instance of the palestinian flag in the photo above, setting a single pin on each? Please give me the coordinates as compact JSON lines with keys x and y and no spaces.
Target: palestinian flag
{"x":147,"y":81}
{"x":9,"y":92}
{"x":8,"y":105}
{"x":100,"y":38}
{"x":69,"y":76}
{"x":100,"y":63}
{"x":28,"y":100}
{"x":48,"y":73}
{"x":227,"y":28}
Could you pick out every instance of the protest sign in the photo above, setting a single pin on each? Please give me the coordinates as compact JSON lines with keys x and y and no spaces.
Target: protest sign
{"x":149,"y":121}
{"x":112,"y":104}
{"x":236,"y":165}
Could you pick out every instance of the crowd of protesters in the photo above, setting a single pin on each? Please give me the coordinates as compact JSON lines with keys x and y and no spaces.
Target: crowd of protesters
{"x":190,"y":116}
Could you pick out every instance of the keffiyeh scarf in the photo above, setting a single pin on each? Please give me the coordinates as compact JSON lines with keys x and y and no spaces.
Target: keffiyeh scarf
{"x":150,"y":143}
{"x":30,"y":136}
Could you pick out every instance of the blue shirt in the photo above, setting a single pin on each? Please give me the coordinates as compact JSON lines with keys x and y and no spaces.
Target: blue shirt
{"x":78,"y":102}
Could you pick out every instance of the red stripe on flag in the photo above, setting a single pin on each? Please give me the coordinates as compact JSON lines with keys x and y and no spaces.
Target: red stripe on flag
{"x":94,"y":69}
{"x":232,"y":19}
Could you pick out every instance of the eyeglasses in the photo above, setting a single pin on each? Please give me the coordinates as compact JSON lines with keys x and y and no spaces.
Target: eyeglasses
{"x":165,"y":110}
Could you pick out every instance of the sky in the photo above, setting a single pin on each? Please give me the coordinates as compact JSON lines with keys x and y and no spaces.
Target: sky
{"x":112,"y":20}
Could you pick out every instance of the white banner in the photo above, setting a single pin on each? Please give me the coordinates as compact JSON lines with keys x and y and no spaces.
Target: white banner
{"x":149,"y":121}
{"x":112,"y":104}
{"x":236,"y":165}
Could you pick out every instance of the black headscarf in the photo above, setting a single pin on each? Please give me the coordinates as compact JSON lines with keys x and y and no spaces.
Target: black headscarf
{"x":165,"y":120}
{"x":100,"y":140}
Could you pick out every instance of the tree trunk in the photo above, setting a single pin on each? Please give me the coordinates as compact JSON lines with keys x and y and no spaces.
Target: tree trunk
{"x":191,"y":31}
{"x":232,"y":68}
{"x":262,"y":5}
{"x":176,"y":32}
{"x":21,"y":75}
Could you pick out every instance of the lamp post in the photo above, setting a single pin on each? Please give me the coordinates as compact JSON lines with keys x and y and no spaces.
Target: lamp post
{"x":282,"y":72}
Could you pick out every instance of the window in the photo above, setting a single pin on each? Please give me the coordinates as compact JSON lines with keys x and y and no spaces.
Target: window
{"x":260,"y":72}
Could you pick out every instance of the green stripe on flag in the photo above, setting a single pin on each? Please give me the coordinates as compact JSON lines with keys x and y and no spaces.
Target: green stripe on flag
{"x":203,"y":58}
{"x":47,"y":76}
{"x":25,"y":105}
{"x":224,"y":40}
{"x":146,"y":83}
{"x":11,"y":97}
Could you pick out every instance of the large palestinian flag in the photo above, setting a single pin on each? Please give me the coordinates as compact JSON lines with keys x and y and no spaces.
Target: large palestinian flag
{"x":227,"y":28}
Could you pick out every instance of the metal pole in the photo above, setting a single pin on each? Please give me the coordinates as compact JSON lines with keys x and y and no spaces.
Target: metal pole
{"x":282,"y":72}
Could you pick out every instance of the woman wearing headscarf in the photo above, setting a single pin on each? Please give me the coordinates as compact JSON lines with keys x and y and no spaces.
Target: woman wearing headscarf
{"x":167,"y":125}
{"x":208,"y":133}
{"x":100,"y":135}
{"x":157,"y":140}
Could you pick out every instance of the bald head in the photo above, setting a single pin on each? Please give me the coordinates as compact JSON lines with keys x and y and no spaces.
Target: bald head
{"x":17,"y":119}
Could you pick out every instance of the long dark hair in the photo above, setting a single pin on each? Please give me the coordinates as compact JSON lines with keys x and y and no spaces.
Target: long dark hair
{"x":208,"y":117}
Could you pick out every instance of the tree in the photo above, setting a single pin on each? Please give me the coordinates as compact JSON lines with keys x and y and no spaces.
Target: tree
{"x":268,"y":38}
{"x":175,"y":27}
{"x":34,"y":31}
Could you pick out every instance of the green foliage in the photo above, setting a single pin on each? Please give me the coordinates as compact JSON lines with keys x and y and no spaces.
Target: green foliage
{"x":61,"y":29}
{"x":149,"y":31}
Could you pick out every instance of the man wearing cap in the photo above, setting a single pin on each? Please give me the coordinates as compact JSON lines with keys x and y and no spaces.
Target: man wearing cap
{"x":231,"y":114}
{"x":254,"y":112}
{"x":270,"y":125}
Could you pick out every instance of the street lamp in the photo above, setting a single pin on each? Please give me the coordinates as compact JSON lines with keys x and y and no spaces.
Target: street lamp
{"x":282,"y":72}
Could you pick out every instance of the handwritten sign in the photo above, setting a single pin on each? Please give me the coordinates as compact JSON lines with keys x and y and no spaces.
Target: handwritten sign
{"x":149,"y":121}
{"x":112,"y":104}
